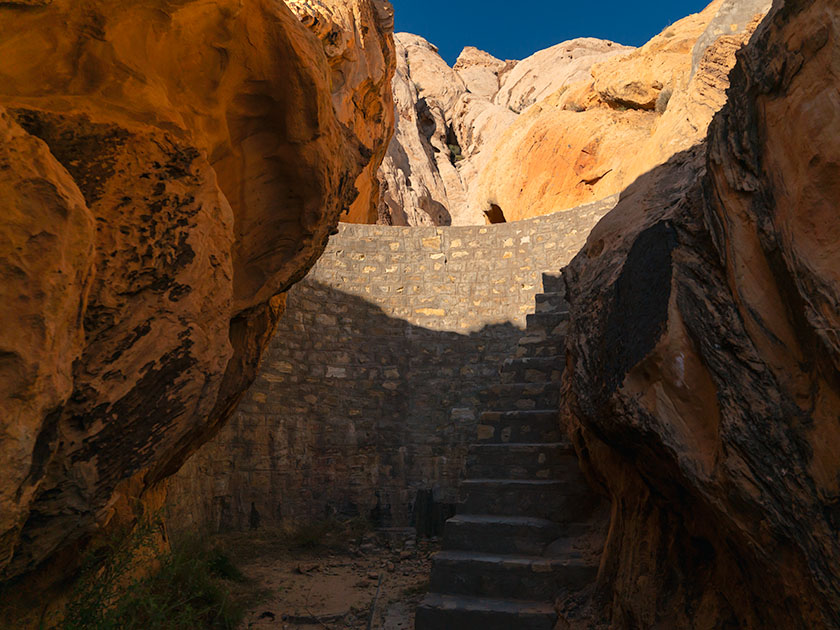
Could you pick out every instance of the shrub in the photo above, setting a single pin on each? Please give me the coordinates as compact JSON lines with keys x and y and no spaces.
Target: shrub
{"x":188,"y":587}
{"x":663,"y":99}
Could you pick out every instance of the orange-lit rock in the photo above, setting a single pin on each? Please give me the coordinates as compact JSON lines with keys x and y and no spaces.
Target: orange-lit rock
{"x":450,"y":121}
{"x":176,"y":169}
{"x":703,"y":357}
{"x":636,"y":111}
{"x":358,"y":42}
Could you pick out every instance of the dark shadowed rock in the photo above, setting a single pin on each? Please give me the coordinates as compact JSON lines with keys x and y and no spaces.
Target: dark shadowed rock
{"x":703,"y":385}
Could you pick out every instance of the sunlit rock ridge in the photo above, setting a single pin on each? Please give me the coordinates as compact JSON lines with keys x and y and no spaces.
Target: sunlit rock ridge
{"x":492,"y":140}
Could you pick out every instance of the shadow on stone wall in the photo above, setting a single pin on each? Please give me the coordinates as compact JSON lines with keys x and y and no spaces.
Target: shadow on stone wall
{"x":354,"y":413}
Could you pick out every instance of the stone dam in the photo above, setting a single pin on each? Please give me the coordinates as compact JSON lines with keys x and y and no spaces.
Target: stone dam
{"x":368,"y":395}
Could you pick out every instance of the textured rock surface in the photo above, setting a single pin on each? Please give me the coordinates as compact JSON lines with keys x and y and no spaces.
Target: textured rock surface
{"x":549,"y":70}
{"x":174,"y":172}
{"x":638,"y":110}
{"x":449,"y":120}
{"x":419,"y":182}
{"x":356,"y":35}
{"x":713,"y":427}
{"x":602,"y":114}
{"x":481,"y":72}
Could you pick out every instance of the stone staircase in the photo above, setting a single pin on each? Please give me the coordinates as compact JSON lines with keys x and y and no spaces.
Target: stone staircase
{"x":512,"y":548}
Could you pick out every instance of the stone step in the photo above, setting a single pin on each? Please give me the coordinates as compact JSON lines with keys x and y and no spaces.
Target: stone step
{"x":519,"y":426}
{"x":553,"y":283}
{"x":562,"y":501}
{"x":512,"y":396}
{"x":510,"y":576}
{"x":539,"y":344}
{"x":532,"y":370}
{"x":551,"y":302}
{"x":548,"y":322}
{"x":522,"y":461}
{"x":500,"y":534}
{"x":453,"y":612}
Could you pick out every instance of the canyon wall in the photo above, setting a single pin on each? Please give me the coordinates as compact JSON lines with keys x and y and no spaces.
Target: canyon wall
{"x":449,"y":120}
{"x":170,"y":174}
{"x":473,"y":141}
{"x":702,"y":382}
{"x":369,"y":391}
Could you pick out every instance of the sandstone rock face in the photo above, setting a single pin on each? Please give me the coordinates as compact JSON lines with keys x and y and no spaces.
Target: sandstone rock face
{"x":450,"y":119}
{"x":602,"y":114}
{"x":703,"y":359}
{"x":177,"y":169}
{"x":481,"y":72}
{"x":637,"y":110}
{"x":360,"y":50}
{"x":419,"y":182}
{"x":549,"y":70}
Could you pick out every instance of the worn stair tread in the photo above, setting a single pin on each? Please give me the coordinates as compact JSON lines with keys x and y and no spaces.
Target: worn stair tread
{"x":523,"y":395}
{"x":525,"y":521}
{"x":518,"y":413}
{"x":560,"y":315}
{"x":534,"y":361}
{"x":553,"y":283}
{"x":493,"y":533}
{"x":525,"y":388}
{"x":524,"y":446}
{"x":487,"y":604}
{"x":513,"y":561}
{"x":516,"y":482}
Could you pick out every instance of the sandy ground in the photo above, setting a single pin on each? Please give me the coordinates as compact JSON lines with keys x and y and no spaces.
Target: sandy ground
{"x":319,"y":590}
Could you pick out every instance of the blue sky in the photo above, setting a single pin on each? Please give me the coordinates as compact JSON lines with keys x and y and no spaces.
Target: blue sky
{"x":514,"y":30}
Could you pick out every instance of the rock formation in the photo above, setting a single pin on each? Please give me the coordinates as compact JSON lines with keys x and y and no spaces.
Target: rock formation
{"x":176,"y":170}
{"x":475,"y":141}
{"x":449,"y":120}
{"x":633,"y":113}
{"x":702,"y":376}
{"x":361,"y":60}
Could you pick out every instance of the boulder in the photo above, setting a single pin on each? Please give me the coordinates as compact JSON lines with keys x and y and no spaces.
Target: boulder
{"x":549,"y":70}
{"x":175,"y":171}
{"x":703,"y":360}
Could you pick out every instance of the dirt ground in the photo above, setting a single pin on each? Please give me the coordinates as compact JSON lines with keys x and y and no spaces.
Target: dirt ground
{"x":335,"y":589}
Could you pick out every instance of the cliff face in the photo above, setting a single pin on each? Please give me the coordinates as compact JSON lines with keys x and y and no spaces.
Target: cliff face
{"x":474,"y":140}
{"x":702,"y":375}
{"x":450,"y":119}
{"x":633,"y":113}
{"x":357,"y":39}
{"x":178,"y":168}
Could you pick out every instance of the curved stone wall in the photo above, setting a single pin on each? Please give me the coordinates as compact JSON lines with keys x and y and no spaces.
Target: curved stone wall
{"x":369,"y":390}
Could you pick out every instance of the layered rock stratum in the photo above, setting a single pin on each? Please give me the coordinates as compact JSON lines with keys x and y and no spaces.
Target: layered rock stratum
{"x":473,"y":141}
{"x":167,"y":171}
{"x":702,"y":376}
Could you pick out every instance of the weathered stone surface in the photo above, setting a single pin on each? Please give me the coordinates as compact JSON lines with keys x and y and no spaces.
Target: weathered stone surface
{"x":360,"y":50}
{"x":369,"y":390}
{"x":481,"y":71}
{"x":449,"y":121}
{"x":600,"y":135}
{"x":703,"y":356}
{"x":549,"y":70}
{"x":419,"y":182}
{"x":176,"y":169}
{"x":602,"y":113}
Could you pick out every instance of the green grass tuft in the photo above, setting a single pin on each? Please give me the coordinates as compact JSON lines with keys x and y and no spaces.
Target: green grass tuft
{"x":192,"y":586}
